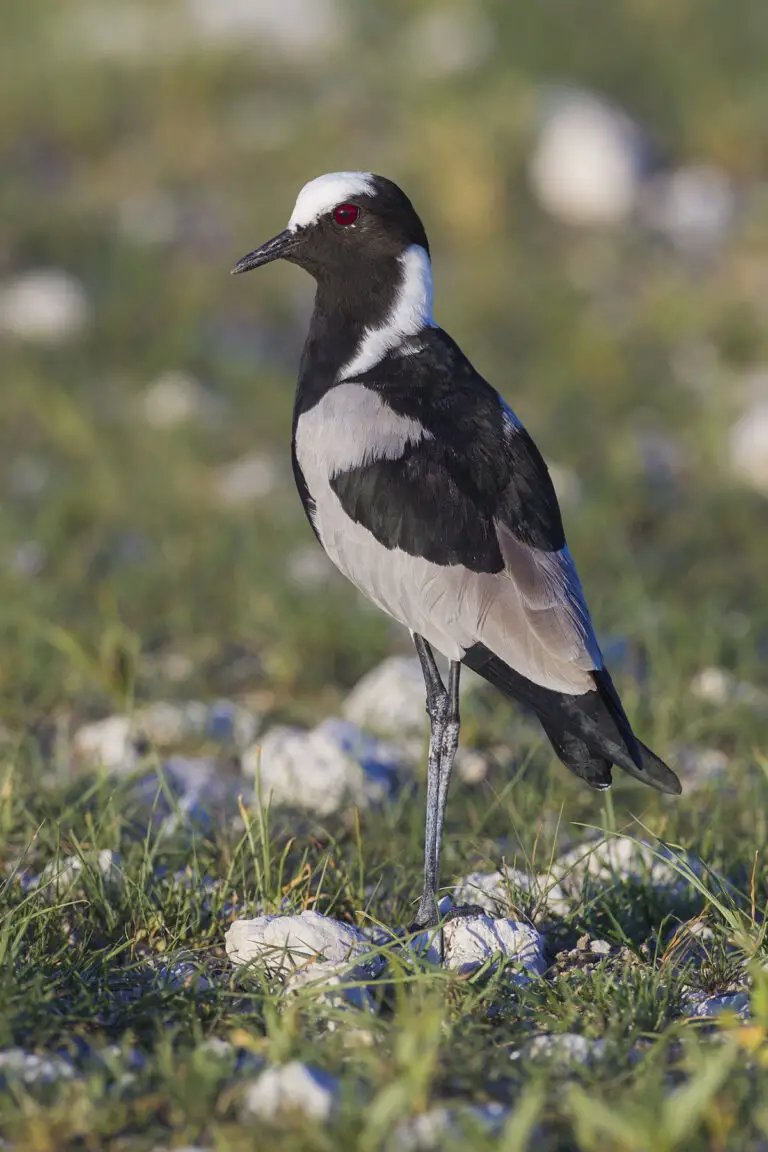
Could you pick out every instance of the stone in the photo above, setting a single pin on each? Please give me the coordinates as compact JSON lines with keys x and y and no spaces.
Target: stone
{"x":708,"y":1007}
{"x":44,"y":306}
{"x":589,"y":867}
{"x":107,"y":744}
{"x":449,"y":41}
{"x":589,"y":160}
{"x":700,"y":766}
{"x":695,"y":207}
{"x":720,"y":687}
{"x":292,"y":1088}
{"x":281,"y":944}
{"x":177,"y":398}
{"x":390,"y":699}
{"x":748,"y":445}
{"x":30,"y":1069}
{"x":200,"y":793}
{"x":294,"y":30}
{"x":508,"y":890}
{"x":562,"y":1048}
{"x":245,"y":481}
{"x":333,"y":985}
{"x":428,"y":1131}
{"x":495,"y":892}
{"x":326,"y":770}
{"x":61,"y":875}
{"x":470,"y":941}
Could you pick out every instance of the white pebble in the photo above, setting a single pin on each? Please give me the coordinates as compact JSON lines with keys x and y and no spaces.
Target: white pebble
{"x":748,"y":444}
{"x":107,"y":743}
{"x":293,"y":1087}
{"x":468,"y":942}
{"x":449,"y":40}
{"x":562,"y":1048}
{"x":245,"y":481}
{"x":176,"y":398}
{"x":325,"y":770}
{"x":46,"y":305}
{"x":390,"y":700}
{"x":31,"y":1069}
{"x":61,"y":874}
{"x":708,"y":1007}
{"x":294,"y":28}
{"x":333,"y":985}
{"x":587,"y":164}
{"x":284,"y":943}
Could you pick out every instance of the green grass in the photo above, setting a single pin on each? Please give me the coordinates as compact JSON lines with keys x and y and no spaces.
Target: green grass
{"x":148,"y":589}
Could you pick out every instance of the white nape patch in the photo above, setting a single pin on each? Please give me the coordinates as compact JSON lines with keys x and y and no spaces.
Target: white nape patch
{"x":351,"y":426}
{"x":411,"y":312}
{"x":325,"y":192}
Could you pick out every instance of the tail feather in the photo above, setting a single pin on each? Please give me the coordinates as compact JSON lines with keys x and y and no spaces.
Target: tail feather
{"x":589,"y":732}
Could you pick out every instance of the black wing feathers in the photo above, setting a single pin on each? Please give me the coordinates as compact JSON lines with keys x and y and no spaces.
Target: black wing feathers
{"x":474,"y":465}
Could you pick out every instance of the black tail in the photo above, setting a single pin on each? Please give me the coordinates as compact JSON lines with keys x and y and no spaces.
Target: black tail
{"x":589,"y":732}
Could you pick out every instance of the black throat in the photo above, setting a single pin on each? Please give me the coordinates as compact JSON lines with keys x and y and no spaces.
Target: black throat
{"x":347,"y":302}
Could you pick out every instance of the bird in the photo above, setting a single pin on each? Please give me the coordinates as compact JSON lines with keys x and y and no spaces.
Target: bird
{"x":428,"y":494}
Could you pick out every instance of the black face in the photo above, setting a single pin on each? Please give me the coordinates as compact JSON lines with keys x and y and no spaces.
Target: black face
{"x":367,"y":231}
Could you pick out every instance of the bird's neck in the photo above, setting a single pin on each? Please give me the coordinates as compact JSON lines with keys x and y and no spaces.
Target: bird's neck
{"x":361,"y":318}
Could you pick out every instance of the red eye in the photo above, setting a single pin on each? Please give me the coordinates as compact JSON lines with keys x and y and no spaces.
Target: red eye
{"x":346,"y":213}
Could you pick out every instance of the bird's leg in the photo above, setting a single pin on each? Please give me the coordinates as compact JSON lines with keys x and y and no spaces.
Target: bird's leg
{"x":447,"y":753}
{"x":438,"y":707}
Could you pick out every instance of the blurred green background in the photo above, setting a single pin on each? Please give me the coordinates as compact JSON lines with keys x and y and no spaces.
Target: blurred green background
{"x":151,"y":542}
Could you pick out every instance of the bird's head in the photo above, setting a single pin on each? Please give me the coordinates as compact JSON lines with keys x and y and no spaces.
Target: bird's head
{"x":342,"y":224}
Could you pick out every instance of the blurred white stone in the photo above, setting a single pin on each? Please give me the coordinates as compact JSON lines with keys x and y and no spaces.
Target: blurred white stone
{"x":61,"y":874}
{"x":470,"y":941}
{"x":333,"y":985}
{"x":429,"y":1131}
{"x":29,"y":1068}
{"x":390,"y":700}
{"x":45,"y":305}
{"x":309,"y":566}
{"x":708,"y":1007}
{"x":28,"y":558}
{"x":284,"y":943}
{"x":292,"y":1088}
{"x":107,"y":743}
{"x":567,"y":485}
{"x":495,"y":892}
{"x":449,"y":40}
{"x":325,"y":770}
{"x":748,"y":445}
{"x":176,"y":398}
{"x":294,"y":28}
{"x":589,"y":159}
{"x":245,"y":481}
{"x":471,"y":765}
{"x":589,"y":867}
{"x":695,"y":206}
{"x":718,"y":686}
{"x":562,"y":1048}
{"x":28,"y":475}
{"x":700,"y":766}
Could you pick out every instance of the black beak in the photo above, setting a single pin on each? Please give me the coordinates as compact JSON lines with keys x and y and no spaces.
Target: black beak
{"x":275,"y":249}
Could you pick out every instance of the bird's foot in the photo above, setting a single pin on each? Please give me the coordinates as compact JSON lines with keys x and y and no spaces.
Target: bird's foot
{"x":464,"y":912}
{"x":429,"y":915}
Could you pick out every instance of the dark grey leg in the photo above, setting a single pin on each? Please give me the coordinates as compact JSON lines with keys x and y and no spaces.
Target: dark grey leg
{"x":438,"y":708}
{"x":448,"y":753}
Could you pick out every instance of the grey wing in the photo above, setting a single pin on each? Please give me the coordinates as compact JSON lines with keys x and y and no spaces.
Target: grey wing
{"x":539,"y":622}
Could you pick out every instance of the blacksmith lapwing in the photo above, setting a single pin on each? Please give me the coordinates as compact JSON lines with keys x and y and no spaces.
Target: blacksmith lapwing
{"x":426,"y":491}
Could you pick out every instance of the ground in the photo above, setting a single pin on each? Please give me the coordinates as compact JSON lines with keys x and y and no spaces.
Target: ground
{"x":152,"y":548}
